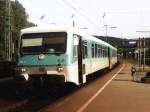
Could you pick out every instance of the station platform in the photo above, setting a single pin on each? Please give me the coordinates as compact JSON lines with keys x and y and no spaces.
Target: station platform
{"x":123,"y":95}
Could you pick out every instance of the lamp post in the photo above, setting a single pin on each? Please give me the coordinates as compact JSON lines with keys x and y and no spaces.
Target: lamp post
{"x":106,"y":31}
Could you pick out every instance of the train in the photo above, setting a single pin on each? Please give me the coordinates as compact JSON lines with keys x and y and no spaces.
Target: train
{"x":61,"y":54}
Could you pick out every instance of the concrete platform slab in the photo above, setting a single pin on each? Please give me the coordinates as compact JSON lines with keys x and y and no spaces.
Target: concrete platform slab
{"x":122,"y":95}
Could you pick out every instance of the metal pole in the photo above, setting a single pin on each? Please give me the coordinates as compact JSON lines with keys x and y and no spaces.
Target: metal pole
{"x":139,"y":52}
{"x":8,"y":36}
{"x":106,"y":30}
{"x":73,"y":23}
{"x":143,"y":53}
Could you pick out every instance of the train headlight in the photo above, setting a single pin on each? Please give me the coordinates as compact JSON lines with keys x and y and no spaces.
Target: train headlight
{"x":22,"y":70}
{"x":60,"y":69}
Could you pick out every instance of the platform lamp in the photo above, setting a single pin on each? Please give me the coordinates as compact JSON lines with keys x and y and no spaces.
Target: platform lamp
{"x":106,"y":31}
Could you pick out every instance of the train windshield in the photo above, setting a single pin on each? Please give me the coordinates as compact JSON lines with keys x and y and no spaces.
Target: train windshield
{"x":35,"y":43}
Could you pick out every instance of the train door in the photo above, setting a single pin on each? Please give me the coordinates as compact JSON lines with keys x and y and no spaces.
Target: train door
{"x":78,"y":42}
{"x":80,"y":61}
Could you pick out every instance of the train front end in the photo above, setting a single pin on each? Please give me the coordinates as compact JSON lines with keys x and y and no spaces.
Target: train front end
{"x":42,"y":57}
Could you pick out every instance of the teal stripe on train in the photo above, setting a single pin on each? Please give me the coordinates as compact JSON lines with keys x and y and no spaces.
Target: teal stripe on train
{"x":50,"y":59}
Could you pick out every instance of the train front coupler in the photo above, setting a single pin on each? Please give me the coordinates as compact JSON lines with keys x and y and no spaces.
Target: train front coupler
{"x":21,"y":75}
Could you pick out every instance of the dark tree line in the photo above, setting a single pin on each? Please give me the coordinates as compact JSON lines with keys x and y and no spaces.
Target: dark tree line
{"x":17,"y":19}
{"x":20,"y":18}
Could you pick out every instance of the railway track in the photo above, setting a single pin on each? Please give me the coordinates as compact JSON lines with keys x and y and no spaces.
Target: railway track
{"x":8,"y":99}
{"x":38,"y":98}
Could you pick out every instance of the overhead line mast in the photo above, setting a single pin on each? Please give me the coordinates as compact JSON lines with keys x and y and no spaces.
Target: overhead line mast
{"x":8,"y":45}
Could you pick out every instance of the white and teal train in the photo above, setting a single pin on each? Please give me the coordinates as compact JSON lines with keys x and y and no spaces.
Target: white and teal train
{"x":61,"y":54}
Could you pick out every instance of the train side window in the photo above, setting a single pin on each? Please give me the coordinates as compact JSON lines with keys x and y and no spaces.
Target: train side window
{"x":92,"y":50}
{"x":114,"y":53}
{"x":103,"y":53}
{"x":75,"y":45}
{"x":110,"y":52}
{"x":99,"y":51}
{"x":74,"y":51}
{"x":95,"y":50}
{"x":85,"y":50}
{"x":106,"y":52}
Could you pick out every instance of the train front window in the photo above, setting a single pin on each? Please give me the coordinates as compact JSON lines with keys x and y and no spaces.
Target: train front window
{"x":35,"y":43}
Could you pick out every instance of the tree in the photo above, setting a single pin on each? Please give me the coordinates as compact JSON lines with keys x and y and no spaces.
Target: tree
{"x":18,"y":18}
{"x":2,"y":21}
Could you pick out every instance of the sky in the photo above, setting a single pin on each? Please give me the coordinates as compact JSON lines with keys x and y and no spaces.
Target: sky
{"x":123,"y":18}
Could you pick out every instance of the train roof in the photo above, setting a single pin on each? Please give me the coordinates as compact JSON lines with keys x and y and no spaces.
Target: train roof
{"x":43,"y":29}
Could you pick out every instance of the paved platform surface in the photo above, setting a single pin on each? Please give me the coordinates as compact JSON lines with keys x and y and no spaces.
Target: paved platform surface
{"x":122,"y":95}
